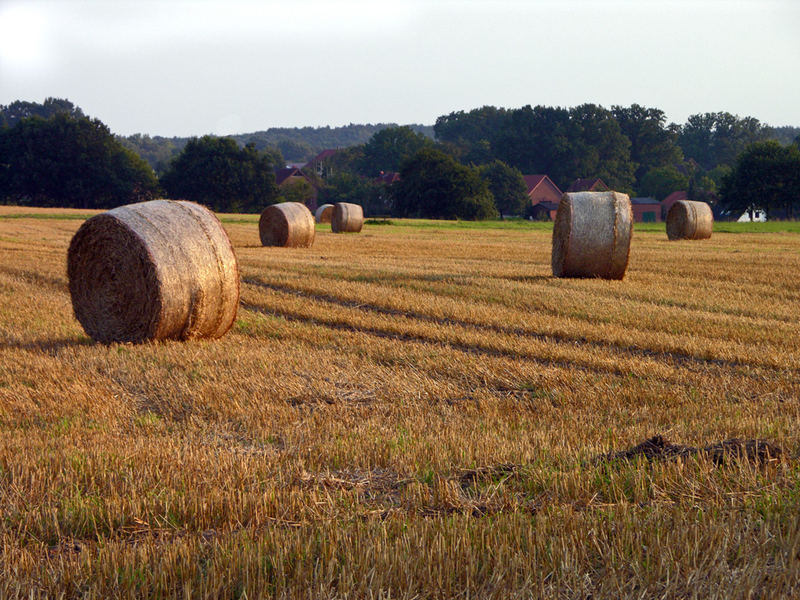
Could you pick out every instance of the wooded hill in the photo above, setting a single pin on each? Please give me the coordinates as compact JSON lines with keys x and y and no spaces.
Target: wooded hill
{"x":296,"y":144}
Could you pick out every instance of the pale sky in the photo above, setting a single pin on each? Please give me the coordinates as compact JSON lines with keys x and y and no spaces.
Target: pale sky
{"x":195,"y":67}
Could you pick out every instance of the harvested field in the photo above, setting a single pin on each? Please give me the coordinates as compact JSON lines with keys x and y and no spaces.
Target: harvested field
{"x":416,"y":411}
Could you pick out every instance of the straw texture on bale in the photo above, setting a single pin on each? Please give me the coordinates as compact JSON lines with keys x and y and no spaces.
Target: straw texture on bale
{"x":288,"y":224}
{"x":324,"y":213}
{"x":347,"y":218}
{"x":154,"y":270}
{"x":689,"y":220}
{"x":592,"y":235}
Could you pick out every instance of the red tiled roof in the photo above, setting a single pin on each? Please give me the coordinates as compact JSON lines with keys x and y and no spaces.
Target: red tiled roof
{"x":532,"y":181}
{"x":585,"y":184}
{"x":674,"y":197}
{"x":282,"y":175}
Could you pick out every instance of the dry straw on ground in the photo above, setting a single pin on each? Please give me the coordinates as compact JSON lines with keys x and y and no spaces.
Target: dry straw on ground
{"x":418,"y":414}
{"x":689,"y":220}
{"x":324,"y":213}
{"x":592,"y":235}
{"x":288,"y":224}
{"x":153,"y":270}
{"x":347,"y":218}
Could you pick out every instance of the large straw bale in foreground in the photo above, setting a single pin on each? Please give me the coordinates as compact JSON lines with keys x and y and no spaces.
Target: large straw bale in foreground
{"x":324,"y":213}
{"x":151,"y":271}
{"x":288,"y":224}
{"x":347,"y":218}
{"x":592,"y":235}
{"x":689,"y":220}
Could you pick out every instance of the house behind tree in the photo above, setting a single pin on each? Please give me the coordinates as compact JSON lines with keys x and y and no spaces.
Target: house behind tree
{"x":544,"y":196}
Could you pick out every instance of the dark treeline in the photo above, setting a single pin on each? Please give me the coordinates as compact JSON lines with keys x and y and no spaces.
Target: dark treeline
{"x":18,"y":110}
{"x":53,"y":155}
{"x":468,"y":165}
{"x":621,"y":145}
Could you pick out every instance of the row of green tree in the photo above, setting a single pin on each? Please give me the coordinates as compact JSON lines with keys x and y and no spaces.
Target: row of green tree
{"x":290,"y":144}
{"x":633,"y":149}
{"x":74,"y":161}
{"x":53,"y":154}
{"x":70,"y":160}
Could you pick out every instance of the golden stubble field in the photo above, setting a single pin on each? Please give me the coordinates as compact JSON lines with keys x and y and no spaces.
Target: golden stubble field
{"x":408,"y":412}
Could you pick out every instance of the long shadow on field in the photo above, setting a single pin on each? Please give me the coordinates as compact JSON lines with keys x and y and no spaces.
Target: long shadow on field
{"x":687,"y":305}
{"x":48,"y":346}
{"x":35,"y":278}
{"x":678,"y":358}
{"x":477,"y":349}
{"x":343,"y":325}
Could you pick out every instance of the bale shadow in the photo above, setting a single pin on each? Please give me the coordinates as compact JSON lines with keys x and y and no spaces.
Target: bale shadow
{"x":679,"y":358}
{"x":49,"y":346}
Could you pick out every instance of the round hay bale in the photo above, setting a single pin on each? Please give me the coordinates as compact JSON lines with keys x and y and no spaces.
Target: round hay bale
{"x":689,"y":220}
{"x":324,"y":213}
{"x":592,"y":235}
{"x":154,"y":270}
{"x":288,"y":224}
{"x":347,"y":218}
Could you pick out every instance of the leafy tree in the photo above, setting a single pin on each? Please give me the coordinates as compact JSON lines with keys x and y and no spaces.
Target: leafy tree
{"x":344,"y":186}
{"x":718,"y":175}
{"x":13,"y":113}
{"x":785,"y":134}
{"x":507,"y":187}
{"x":712,"y":139}
{"x":321,"y":138}
{"x":539,"y":140}
{"x":295,"y":150}
{"x":470,"y":136}
{"x":72,"y":162}
{"x":480,"y":153}
{"x":766,"y":175}
{"x":653,"y":144}
{"x":660,"y":182}
{"x":585,"y":141}
{"x":389,"y":148}
{"x":297,"y":191}
{"x":216,"y":172}
{"x":346,"y":160}
{"x":472,"y":127}
{"x":602,"y":149}
{"x":157,"y":151}
{"x":435,"y":185}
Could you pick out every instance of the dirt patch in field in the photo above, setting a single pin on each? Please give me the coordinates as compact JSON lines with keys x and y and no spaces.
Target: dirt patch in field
{"x":348,"y":479}
{"x":658,"y":448}
{"x":470,"y":477}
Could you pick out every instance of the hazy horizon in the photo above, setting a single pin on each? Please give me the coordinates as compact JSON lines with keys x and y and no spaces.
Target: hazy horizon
{"x":186,"y":69}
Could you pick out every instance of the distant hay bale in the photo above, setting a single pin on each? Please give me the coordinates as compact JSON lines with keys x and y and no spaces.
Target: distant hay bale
{"x":347,"y":218}
{"x":288,"y":224}
{"x":324,"y":213}
{"x":592,"y":235}
{"x":689,"y":220}
{"x":154,"y":270}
